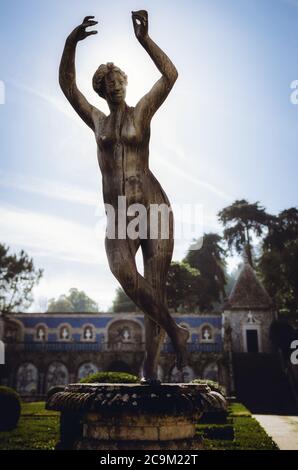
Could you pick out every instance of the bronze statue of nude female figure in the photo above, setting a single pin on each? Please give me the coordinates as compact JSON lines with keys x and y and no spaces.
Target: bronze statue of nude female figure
{"x":123,"y":152}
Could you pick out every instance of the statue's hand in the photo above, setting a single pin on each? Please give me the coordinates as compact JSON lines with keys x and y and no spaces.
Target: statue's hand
{"x":80,"y":33}
{"x":140,"y":24}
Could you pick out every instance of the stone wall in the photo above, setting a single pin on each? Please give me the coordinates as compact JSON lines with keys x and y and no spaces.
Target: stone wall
{"x":33,"y":373}
{"x":240,"y":321}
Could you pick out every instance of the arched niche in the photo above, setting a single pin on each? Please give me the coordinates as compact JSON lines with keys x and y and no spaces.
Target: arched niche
{"x":57,"y":374}
{"x":27,"y":379}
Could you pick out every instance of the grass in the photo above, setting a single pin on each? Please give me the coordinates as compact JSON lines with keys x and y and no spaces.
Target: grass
{"x":237,"y":409}
{"x":249,"y":435}
{"x":38,"y":429}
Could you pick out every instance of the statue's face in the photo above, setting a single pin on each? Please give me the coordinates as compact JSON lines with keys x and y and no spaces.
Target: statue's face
{"x":115,"y":87}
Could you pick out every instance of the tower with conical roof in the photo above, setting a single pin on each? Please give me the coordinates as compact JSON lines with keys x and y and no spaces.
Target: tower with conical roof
{"x":248,"y":313}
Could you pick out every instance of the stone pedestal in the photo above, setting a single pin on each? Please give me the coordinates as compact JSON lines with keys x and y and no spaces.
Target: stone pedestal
{"x":132,"y":416}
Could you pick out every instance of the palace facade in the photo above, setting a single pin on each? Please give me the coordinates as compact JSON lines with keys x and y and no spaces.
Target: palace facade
{"x":43,"y":350}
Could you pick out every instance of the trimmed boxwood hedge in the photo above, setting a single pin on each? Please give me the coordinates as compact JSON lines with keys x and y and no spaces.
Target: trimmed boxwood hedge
{"x":223,"y":432}
{"x":111,"y":377}
{"x":10,"y":408}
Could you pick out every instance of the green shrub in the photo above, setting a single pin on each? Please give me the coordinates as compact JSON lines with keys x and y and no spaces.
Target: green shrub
{"x":222,"y":432}
{"x":215,"y":387}
{"x":214,"y":416}
{"x":248,"y":434}
{"x":10,"y":408}
{"x":110,"y":377}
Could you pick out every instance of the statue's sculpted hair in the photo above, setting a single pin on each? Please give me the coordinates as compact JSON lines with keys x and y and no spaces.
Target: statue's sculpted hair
{"x":98,"y":78}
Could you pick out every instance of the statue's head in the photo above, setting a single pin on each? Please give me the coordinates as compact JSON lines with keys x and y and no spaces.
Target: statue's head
{"x":110,"y":83}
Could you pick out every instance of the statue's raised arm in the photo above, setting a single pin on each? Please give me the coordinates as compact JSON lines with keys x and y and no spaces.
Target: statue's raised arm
{"x":67,"y":73}
{"x":150,"y":103}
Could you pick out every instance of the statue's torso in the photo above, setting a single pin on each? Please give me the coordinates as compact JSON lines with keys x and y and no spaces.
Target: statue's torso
{"x":123,"y":151}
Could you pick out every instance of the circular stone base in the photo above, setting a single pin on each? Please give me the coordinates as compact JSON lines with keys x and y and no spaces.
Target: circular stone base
{"x":132,"y":416}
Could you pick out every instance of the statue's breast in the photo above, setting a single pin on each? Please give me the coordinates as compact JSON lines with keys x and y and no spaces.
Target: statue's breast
{"x":106,"y":136}
{"x":130,"y":133}
{"x":124,"y":131}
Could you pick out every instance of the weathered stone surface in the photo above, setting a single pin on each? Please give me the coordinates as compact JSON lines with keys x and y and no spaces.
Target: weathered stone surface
{"x":183,"y":430}
{"x":136,"y":399}
{"x":132,"y":416}
{"x":140,"y":428}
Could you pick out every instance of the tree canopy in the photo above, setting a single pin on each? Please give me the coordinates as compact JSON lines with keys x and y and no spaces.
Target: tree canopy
{"x":278,"y":263}
{"x":75,"y":301}
{"x":240,"y":220}
{"x":181,"y":290}
{"x":182,"y":286}
{"x":123,"y":303}
{"x":209,"y":260}
{"x":200,"y":282}
{"x":18,"y":276}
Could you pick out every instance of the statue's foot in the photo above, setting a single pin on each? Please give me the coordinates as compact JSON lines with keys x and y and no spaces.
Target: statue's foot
{"x":150,"y":381}
{"x":181,"y":349}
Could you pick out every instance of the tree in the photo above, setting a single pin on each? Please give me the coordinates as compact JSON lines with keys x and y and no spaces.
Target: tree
{"x":278,"y":263}
{"x":209,"y":260}
{"x":62,"y":304}
{"x":282,"y":334}
{"x":182,"y":289}
{"x":282,"y":229}
{"x":242,"y":219}
{"x":75,"y":301}
{"x":123,"y":303}
{"x":18,"y":276}
{"x":183,"y":286}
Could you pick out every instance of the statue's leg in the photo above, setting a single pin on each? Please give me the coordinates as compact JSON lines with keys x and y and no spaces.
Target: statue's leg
{"x":157,"y":255}
{"x":154,"y":338}
{"x":154,"y":334}
{"x":122,"y":264}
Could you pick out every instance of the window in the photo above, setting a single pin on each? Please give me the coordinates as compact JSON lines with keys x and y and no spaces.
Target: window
{"x":41,"y":333}
{"x":12,"y":332}
{"x":207,"y":334}
{"x":125,"y":334}
{"x":252,"y":342}
{"x":88,"y":333}
{"x":64,"y":334}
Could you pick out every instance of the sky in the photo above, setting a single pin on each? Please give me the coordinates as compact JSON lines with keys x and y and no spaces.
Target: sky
{"x":228,"y":130}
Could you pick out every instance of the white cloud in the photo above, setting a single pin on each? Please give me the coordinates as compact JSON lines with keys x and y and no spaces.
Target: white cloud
{"x":51,"y":189}
{"x":198,"y":182}
{"x":48,"y":236}
{"x":58,"y":104}
{"x":96,"y":281}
